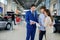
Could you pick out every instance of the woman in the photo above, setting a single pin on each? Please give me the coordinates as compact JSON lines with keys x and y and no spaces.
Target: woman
{"x":48,"y":23}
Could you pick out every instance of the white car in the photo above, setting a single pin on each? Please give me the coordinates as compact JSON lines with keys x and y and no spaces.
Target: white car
{"x":5,"y":23}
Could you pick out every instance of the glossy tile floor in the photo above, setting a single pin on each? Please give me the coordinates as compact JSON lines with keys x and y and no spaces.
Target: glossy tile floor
{"x":19,"y":33}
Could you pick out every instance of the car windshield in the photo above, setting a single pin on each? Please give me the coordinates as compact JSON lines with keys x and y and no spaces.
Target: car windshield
{"x":3,"y":19}
{"x":57,"y":19}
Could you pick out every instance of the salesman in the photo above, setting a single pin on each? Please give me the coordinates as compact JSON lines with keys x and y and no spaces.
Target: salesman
{"x":31,"y":18}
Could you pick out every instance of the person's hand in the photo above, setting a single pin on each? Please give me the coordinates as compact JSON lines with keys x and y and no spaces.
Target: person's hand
{"x":51,"y":24}
{"x":39,"y":31}
{"x":40,"y":24}
{"x":32,"y":22}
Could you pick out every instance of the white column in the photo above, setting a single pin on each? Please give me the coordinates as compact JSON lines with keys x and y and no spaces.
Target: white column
{"x":9,"y":5}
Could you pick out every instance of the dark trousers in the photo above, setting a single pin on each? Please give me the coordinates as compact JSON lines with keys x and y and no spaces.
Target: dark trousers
{"x":30,"y":34}
{"x":41,"y":33}
{"x":14,"y":22}
{"x":55,"y":26}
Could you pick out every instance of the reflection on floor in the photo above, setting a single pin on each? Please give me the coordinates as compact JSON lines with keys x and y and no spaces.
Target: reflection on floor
{"x":19,"y":33}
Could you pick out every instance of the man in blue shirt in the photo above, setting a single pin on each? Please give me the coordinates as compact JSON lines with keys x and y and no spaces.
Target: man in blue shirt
{"x":31,"y":18}
{"x":41,"y":22}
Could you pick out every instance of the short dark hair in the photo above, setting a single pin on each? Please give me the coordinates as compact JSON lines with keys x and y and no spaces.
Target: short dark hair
{"x":42,"y":7}
{"x":33,"y":5}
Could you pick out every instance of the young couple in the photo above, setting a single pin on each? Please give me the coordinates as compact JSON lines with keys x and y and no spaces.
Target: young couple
{"x":45,"y":21}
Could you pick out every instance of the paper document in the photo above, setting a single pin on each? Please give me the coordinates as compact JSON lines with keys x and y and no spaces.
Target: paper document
{"x":37,"y":24}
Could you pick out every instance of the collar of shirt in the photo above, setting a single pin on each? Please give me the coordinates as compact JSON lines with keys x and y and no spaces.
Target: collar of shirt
{"x":32,"y":11}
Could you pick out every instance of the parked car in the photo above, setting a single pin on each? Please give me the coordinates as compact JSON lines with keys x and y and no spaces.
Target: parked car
{"x":5,"y":23}
{"x":57,"y":24}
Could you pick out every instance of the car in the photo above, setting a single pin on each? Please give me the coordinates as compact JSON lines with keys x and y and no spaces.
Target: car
{"x":57,"y":24}
{"x":5,"y":23}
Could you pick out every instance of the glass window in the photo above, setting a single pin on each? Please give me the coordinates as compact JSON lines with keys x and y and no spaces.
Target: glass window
{"x":4,"y":1}
{"x":55,"y":6}
{"x":48,"y":3}
{"x":59,"y":4}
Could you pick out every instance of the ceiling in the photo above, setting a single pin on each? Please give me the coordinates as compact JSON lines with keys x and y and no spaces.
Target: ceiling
{"x":27,"y":3}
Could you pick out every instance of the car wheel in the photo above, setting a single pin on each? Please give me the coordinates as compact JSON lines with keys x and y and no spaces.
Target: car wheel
{"x":8,"y":27}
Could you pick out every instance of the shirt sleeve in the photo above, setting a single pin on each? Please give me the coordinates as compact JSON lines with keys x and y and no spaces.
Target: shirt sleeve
{"x":41,"y":20}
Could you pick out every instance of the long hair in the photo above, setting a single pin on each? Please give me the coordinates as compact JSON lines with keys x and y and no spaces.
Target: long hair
{"x":49,"y":14}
